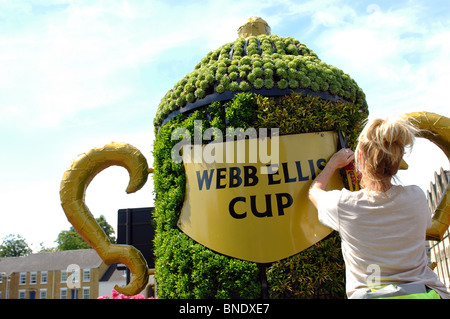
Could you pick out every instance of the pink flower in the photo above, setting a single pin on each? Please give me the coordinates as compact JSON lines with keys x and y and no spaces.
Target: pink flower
{"x":114,"y":294}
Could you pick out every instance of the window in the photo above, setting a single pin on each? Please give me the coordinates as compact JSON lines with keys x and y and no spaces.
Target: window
{"x":86,"y":293}
{"x":63,"y":275}
{"x":33,"y":277}
{"x":23,"y":279}
{"x":44,"y":277}
{"x":63,"y":293}
{"x":21,"y":294}
{"x":75,"y":273}
{"x":72,"y":275}
{"x":86,"y":275}
{"x":43,"y":294}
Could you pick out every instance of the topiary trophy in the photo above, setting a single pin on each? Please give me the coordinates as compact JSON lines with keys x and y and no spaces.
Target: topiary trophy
{"x":242,"y":228}
{"x":258,"y":81}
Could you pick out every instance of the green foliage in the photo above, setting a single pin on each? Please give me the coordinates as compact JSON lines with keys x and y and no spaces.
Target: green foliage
{"x":71,"y":240}
{"x":240,"y":112}
{"x":186,"y":269}
{"x":14,"y":246}
{"x":317,"y":272}
{"x":296,"y":113}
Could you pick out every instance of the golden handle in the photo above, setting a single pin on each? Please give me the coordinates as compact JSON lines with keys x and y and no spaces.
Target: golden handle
{"x":72,"y":191}
{"x":436,"y":128}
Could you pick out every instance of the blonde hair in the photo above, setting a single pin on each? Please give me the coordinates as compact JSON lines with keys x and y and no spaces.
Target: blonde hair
{"x":381,"y":146}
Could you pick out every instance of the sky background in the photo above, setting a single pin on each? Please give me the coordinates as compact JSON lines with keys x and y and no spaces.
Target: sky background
{"x":79,"y":74}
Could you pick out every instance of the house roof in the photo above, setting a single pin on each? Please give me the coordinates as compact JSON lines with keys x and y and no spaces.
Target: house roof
{"x":85,"y":258}
{"x":112,"y":274}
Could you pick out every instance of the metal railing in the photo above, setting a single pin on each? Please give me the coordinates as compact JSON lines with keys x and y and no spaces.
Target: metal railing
{"x":440,"y":258}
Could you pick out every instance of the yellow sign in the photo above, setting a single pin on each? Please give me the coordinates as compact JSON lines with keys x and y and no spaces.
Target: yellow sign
{"x":254,"y":210}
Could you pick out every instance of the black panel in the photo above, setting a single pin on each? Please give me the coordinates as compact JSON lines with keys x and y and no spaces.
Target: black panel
{"x":135,"y":228}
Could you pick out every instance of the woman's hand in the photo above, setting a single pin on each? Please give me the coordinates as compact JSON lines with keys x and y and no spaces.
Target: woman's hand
{"x":339,"y":159}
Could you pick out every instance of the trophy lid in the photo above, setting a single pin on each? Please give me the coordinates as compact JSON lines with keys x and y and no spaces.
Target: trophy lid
{"x":262,"y":63}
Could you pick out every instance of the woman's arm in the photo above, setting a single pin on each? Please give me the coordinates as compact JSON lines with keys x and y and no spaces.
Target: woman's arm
{"x":339,"y":159}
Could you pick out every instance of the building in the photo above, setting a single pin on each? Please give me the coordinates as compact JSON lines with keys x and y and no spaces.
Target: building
{"x":79,"y":274}
{"x":440,"y":250}
{"x":72,"y":274}
{"x":111,"y":277}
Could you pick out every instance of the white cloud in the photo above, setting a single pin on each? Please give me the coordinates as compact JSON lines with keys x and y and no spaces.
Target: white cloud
{"x":88,"y":54}
{"x":72,"y":61}
{"x":53,"y":72}
{"x":396,"y":56}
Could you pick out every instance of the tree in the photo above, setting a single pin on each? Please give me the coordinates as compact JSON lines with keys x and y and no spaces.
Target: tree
{"x":14,"y":246}
{"x":43,"y":249}
{"x":71,"y":240}
{"x":107,"y":228}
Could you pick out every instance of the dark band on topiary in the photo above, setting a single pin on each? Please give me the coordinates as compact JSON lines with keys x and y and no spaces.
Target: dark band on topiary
{"x":229,"y":95}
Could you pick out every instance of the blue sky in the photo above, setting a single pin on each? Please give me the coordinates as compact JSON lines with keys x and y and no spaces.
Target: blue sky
{"x":79,"y":74}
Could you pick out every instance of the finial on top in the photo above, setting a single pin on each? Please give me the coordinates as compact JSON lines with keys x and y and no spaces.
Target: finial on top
{"x":253,"y":27}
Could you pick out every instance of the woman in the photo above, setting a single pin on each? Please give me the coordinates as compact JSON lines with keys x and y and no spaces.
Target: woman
{"x":382,"y":226}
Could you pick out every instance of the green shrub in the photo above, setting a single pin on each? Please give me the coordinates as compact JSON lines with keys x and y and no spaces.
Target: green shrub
{"x":316,"y":273}
{"x":186,"y":269}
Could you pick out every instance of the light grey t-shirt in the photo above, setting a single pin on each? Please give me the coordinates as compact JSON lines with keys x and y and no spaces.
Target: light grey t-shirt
{"x":383,"y":236}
